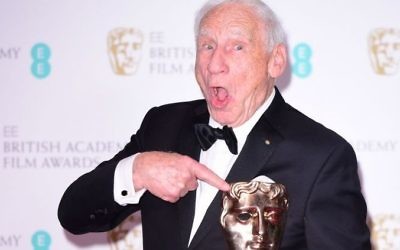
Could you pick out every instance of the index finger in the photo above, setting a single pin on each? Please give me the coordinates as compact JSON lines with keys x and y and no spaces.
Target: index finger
{"x":205,"y":174}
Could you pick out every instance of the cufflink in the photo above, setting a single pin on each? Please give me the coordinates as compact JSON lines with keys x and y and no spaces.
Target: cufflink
{"x":124,"y":193}
{"x":267,"y":142}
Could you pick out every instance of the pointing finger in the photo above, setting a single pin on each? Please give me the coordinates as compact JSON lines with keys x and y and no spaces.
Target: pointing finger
{"x":205,"y":174}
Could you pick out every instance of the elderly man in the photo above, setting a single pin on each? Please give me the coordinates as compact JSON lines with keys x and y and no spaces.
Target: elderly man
{"x":175,"y":166}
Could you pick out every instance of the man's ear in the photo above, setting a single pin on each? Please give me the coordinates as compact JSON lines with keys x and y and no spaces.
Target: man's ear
{"x":277,"y":61}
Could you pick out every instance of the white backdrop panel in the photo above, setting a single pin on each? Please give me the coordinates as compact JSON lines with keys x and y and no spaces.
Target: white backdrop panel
{"x":63,"y":109}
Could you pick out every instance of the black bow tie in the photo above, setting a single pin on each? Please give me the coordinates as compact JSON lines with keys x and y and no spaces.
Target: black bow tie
{"x":207,"y":135}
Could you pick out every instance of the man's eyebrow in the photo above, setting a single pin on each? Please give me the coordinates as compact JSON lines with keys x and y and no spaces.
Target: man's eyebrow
{"x":234,"y":33}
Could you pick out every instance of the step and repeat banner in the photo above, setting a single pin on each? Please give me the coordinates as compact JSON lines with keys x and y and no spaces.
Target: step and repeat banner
{"x":76,"y":78}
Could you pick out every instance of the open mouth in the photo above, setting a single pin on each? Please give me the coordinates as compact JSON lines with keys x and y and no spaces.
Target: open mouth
{"x":219,"y":97}
{"x":220,"y":92}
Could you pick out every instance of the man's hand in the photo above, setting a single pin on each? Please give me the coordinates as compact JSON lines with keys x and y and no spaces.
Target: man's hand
{"x":170,"y":176}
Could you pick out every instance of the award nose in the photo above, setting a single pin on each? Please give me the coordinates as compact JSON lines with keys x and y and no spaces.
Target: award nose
{"x":259,"y":225}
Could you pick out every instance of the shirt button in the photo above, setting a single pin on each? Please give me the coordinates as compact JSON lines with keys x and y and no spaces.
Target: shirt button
{"x":124,"y":193}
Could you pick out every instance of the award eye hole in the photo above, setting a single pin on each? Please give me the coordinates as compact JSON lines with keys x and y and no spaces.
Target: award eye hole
{"x":244,"y":216}
{"x":273,"y":217}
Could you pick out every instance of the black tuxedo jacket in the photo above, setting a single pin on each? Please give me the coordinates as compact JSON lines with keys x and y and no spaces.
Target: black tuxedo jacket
{"x":318,"y":168}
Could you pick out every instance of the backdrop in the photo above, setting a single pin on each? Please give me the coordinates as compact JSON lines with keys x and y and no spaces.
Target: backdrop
{"x":77,"y":77}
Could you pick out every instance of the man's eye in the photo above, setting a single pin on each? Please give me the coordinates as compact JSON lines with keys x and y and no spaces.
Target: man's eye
{"x":208,"y":47}
{"x":238,"y":47}
{"x":244,"y":216}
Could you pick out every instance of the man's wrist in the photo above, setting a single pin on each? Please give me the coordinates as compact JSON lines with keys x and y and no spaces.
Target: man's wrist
{"x":124,"y":188}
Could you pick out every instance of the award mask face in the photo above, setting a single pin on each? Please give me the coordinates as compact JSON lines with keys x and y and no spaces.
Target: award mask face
{"x":254,"y":215}
{"x":125,"y":50}
{"x":384,"y":46}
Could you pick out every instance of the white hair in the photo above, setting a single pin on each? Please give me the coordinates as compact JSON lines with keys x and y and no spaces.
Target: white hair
{"x":273,"y":28}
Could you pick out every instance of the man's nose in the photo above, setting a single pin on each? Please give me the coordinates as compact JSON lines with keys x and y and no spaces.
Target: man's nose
{"x":217,"y":63}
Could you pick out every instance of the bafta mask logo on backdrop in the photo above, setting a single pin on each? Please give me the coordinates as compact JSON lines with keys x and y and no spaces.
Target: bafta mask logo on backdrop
{"x":125,"y":50}
{"x":386,"y":232}
{"x":384,"y":50}
{"x":128,"y":235}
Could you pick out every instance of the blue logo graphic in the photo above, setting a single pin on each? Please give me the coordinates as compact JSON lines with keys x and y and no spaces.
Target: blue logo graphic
{"x":302,"y":55}
{"x":40,"y":67}
{"x":41,"y":240}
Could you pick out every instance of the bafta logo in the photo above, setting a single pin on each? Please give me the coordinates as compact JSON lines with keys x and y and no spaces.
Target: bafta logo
{"x":125,"y":50}
{"x":127,"y":235}
{"x":254,"y":215}
{"x":384,"y":48}
{"x":386,"y":232}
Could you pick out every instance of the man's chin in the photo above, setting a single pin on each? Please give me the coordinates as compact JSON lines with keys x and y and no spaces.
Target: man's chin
{"x":223,"y":118}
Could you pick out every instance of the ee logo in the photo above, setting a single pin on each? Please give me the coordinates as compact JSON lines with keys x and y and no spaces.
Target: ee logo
{"x":302,"y":55}
{"x":41,"y":240}
{"x":40,"y":67}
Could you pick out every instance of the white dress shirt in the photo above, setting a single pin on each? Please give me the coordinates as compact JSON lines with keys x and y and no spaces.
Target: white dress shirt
{"x":218,"y":158}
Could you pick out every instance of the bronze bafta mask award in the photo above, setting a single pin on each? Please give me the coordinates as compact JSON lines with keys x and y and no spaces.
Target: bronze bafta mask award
{"x":254,"y":215}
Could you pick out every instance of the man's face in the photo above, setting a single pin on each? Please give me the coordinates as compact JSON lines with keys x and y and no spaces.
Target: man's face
{"x":232,"y":63}
{"x":254,"y":222}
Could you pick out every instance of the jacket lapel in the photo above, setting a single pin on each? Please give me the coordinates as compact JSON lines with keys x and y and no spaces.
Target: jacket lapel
{"x":189,"y":146}
{"x":258,"y":148}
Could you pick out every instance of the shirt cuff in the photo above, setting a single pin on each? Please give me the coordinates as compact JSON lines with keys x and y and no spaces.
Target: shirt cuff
{"x":124,"y":191}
